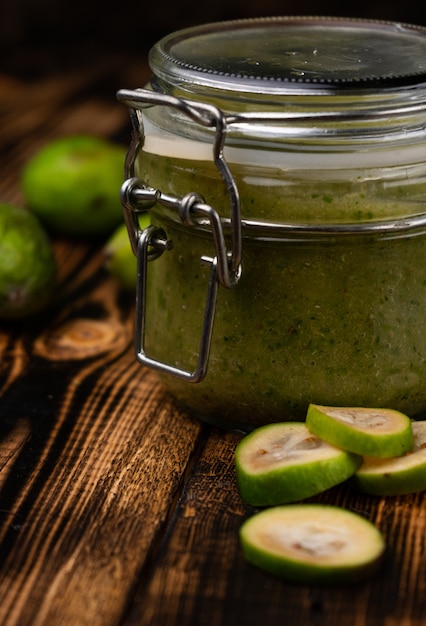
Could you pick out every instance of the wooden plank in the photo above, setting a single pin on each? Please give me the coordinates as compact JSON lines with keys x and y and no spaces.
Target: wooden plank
{"x":90,"y":116}
{"x":95,"y":454}
{"x":82,"y":101}
{"x":201,"y":577}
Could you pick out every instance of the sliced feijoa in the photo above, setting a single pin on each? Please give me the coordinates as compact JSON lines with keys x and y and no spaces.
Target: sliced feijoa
{"x":369,"y":432}
{"x":284,"y":462}
{"x":312,"y":543}
{"x":398,"y":475}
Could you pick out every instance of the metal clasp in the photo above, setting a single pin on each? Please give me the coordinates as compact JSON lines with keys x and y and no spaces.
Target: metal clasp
{"x":151,"y":237}
{"x":148,"y":244}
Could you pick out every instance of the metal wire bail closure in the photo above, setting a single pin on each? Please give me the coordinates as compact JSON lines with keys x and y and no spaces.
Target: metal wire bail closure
{"x":148,"y":244}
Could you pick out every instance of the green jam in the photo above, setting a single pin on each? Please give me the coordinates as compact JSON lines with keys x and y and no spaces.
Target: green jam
{"x":328,"y":319}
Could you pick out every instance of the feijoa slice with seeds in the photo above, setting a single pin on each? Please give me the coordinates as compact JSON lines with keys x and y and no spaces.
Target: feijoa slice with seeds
{"x":398,"y":475}
{"x":369,"y":432}
{"x":283,"y":462}
{"x":312,"y":543}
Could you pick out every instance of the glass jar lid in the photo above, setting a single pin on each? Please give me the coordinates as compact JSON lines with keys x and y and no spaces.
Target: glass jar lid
{"x":292,"y":54}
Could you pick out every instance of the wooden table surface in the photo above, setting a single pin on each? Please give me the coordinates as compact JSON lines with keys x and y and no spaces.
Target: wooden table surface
{"x":117,"y":508}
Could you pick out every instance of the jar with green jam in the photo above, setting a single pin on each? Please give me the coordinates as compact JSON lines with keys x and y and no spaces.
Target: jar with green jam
{"x":283,"y":164}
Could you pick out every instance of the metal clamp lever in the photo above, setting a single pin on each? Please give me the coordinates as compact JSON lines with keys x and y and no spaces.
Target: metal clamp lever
{"x":193,"y":211}
{"x":207,"y":116}
{"x":151,"y":236}
{"x":137,"y":197}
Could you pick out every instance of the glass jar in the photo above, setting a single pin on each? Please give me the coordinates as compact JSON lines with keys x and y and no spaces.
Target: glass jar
{"x":283,"y":163}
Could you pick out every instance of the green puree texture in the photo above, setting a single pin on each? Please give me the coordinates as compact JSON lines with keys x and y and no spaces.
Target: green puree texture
{"x":334,"y":321}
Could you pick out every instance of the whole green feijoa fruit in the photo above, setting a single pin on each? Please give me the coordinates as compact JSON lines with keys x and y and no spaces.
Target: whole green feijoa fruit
{"x":27,"y":264}
{"x":119,"y":257}
{"x":73,"y":185}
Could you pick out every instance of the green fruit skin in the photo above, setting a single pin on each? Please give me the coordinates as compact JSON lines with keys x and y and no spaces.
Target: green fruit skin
{"x":299,"y":572}
{"x":395,"y":484}
{"x":398,"y":476}
{"x":119,"y":257}
{"x":120,"y":260}
{"x":73,"y":185}
{"x":401,"y":482}
{"x":303,"y":573}
{"x":28,"y":266}
{"x":292,"y":483}
{"x":364,"y":444}
{"x":295,"y":483}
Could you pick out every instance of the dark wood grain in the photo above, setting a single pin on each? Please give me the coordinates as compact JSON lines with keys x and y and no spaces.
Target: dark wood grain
{"x":202,"y":576}
{"x":116,"y":507}
{"x":90,"y":467}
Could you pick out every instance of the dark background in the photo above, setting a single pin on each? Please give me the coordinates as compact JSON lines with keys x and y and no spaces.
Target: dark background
{"x":45,"y":36}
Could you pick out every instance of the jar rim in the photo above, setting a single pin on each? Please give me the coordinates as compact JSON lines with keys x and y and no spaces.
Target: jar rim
{"x":282,"y":55}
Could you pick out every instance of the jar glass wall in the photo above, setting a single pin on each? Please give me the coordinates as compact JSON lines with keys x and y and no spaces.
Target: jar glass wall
{"x":331,"y":319}
{"x":331,"y":181}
